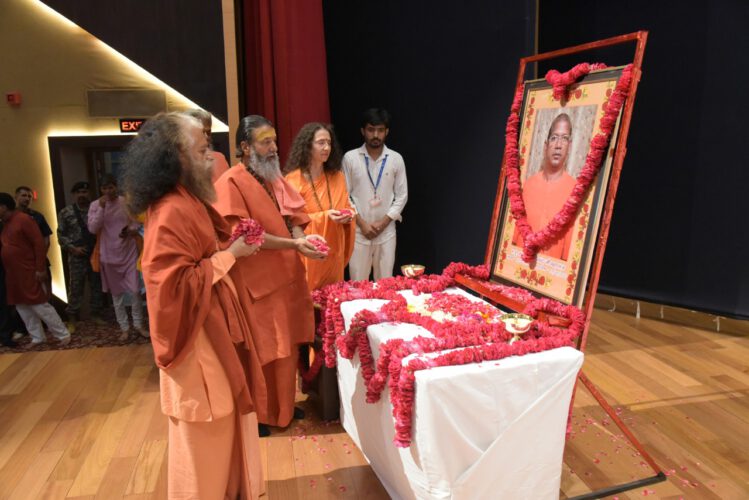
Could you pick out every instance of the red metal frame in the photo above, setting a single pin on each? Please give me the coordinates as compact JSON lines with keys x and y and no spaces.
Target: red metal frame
{"x":640,"y":38}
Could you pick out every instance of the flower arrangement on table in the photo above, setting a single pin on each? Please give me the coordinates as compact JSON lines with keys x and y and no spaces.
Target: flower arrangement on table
{"x":470,"y":331}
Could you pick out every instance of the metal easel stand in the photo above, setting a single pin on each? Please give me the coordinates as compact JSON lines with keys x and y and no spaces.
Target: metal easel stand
{"x":659,"y":476}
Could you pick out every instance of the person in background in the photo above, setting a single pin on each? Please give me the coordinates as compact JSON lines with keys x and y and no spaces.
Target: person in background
{"x":24,"y":198}
{"x":376,"y":179}
{"x":116,"y":231}
{"x":78,"y":243}
{"x":314,"y":169}
{"x":23,"y":255}
{"x":6,"y":313}
{"x":220,"y":165}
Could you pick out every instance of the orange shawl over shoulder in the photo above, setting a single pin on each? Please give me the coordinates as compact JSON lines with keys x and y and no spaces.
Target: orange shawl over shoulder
{"x":181,"y":235}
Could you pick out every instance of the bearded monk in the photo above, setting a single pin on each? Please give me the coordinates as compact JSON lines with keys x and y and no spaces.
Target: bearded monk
{"x":200,"y":335}
{"x":314,"y":169}
{"x":277,"y":301}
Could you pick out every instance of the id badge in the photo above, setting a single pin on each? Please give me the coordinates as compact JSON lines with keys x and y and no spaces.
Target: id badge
{"x":375,"y":201}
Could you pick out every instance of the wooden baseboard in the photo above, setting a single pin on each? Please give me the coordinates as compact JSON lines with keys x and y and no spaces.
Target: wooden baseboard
{"x":695,"y":319}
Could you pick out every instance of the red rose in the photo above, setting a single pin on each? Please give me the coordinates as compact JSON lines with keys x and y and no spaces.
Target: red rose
{"x":573,"y":265}
{"x":578,"y":93}
{"x":522,"y":150}
{"x":522,"y":161}
{"x":251,"y":230}
{"x":608,"y":92}
{"x":530,"y":112}
{"x":570,"y":278}
{"x":568,"y":291}
{"x":582,"y":220}
{"x":533,"y":99}
{"x":523,"y":273}
{"x":580,"y":235}
{"x":541,"y":280}
{"x":533,"y":275}
{"x":586,"y":207}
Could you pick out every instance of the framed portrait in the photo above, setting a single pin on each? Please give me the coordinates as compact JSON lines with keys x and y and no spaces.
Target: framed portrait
{"x":553,"y":142}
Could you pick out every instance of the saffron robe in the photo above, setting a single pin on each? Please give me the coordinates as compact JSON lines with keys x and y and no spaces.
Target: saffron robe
{"x":220,"y":165}
{"x":340,"y":237}
{"x":24,"y":254}
{"x":201,"y":344}
{"x":543,"y":200}
{"x":274,"y":293}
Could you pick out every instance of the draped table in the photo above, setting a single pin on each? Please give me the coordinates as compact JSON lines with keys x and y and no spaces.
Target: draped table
{"x":485,"y":430}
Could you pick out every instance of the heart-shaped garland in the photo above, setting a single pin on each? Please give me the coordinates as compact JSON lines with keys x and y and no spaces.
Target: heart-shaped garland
{"x":533,"y":242}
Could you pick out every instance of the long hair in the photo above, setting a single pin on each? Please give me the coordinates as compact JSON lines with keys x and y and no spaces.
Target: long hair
{"x":300,"y":154}
{"x":247,"y":126}
{"x":152,"y":166}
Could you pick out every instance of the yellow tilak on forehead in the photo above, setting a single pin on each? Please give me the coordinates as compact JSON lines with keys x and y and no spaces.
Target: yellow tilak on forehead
{"x":269,"y":133}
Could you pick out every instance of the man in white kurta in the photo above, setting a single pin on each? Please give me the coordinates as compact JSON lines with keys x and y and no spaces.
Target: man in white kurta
{"x":377,"y":185}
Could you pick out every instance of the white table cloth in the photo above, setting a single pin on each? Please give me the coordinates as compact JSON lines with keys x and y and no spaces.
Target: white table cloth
{"x":486,"y":430}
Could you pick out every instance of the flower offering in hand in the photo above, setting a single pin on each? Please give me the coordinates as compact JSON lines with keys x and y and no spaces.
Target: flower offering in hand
{"x":319,"y":244}
{"x":346,"y":212}
{"x":251,"y":230}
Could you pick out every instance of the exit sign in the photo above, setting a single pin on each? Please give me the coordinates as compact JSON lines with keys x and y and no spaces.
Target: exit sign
{"x":131,"y":124}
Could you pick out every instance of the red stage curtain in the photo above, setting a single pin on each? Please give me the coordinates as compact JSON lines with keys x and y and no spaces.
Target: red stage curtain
{"x":285,"y":73}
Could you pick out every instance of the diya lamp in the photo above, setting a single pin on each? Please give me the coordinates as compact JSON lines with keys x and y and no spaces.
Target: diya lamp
{"x":412,"y":270}
{"x":517,"y":324}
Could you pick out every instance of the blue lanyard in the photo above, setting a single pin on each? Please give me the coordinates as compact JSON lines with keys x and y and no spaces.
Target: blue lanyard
{"x":379,"y":176}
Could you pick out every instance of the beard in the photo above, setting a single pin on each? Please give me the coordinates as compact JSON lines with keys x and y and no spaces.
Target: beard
{"x":268,"y":167}
{"x":197,"y":179}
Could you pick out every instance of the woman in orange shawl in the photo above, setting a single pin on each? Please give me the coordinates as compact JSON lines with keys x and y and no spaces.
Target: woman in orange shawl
{"x":314,"y":169}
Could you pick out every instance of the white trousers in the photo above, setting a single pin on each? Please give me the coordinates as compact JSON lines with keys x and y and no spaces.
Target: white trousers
{"x":33,"y":315}
{"x":120,"y":310}
{"x":380,"y":257}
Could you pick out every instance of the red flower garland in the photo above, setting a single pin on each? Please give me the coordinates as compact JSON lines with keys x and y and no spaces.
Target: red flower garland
{"x":476,"y":336}
{"x":533,"y":242}
{"x":519,"y":294}
{"x":561,"y":82}
{"x":331,"y":296}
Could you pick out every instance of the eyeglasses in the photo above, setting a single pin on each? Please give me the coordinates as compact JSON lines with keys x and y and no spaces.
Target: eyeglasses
{"x":564,"y":139}
{"x":321,"y":143}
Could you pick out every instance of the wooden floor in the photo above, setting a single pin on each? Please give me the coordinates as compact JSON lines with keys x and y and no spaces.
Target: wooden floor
{"x":86,"y":423}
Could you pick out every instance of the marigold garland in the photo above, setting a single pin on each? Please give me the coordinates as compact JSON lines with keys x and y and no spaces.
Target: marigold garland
{"x":474,"y":335}
{"x":533,"y":242}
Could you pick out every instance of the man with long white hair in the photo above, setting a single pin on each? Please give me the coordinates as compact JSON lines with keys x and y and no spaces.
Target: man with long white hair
{"x":199,"y":331}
